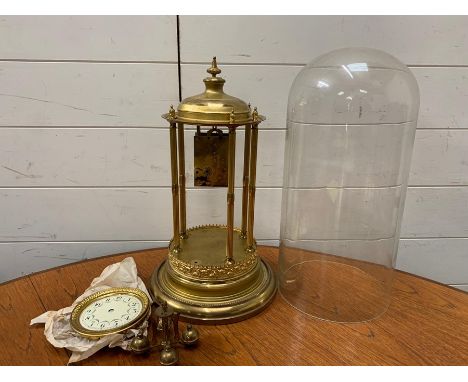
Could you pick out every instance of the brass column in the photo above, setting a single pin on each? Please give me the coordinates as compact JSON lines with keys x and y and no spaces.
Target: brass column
{"x":245,"y":181}
{"x":230,"y":195}
{"x":175,"y":186}
{"x":182,"y":204}
{"x":252,"y":179}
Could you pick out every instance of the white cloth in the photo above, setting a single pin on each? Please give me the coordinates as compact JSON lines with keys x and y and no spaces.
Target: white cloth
{"x":57,"y":323}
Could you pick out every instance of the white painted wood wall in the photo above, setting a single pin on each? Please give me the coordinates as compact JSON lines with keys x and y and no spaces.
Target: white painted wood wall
{"x":84,"y":161}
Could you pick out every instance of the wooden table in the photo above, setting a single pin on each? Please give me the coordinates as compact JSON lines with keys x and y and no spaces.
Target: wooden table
{"x":427,"y":323}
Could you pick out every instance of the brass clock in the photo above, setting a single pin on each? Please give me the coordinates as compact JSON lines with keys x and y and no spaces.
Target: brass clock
{"x":111,"y":311}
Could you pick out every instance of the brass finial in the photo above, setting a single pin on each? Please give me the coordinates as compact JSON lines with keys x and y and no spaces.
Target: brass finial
{"x":250,"y":108}
{"x":214,"y":70}
{"x":172,"y":113}
{"x":255,"y":115}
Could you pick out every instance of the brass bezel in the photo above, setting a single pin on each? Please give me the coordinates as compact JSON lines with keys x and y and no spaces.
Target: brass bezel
{"x":96,"y":334}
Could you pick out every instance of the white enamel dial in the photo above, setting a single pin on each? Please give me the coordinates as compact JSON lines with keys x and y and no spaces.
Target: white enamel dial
{"x":110,"y":312}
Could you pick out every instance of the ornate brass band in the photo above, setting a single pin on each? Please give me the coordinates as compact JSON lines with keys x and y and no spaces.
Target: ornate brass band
{"x":211,"y":272}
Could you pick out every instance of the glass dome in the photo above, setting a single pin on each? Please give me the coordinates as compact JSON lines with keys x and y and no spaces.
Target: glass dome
{"x":352,"y":117}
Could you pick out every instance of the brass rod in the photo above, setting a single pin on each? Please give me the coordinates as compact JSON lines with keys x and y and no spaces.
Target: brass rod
{"x":182,"y":204}
{"x":230,"y":195}
{"x":175,"y":187}
{"x":252,"y":179}
{"x":245,"y":180}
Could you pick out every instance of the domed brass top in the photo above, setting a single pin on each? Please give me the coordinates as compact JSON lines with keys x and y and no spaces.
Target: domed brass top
{"x":213,"y":106}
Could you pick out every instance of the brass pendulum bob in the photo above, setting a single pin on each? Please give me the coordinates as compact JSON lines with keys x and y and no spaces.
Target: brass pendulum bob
{"x":140,"y":344}
{"x":169,"y":356}
{"x":190,"y":335}
{"x":168,"y":320}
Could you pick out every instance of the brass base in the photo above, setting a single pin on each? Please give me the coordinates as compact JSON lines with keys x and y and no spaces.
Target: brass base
{"x":226,"y":299}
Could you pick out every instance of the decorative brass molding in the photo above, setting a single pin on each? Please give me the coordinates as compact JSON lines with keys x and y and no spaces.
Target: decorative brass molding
{"x":218,"y":272}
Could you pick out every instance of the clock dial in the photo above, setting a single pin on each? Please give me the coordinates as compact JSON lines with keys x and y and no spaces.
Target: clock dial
{"x":110,"y":311}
